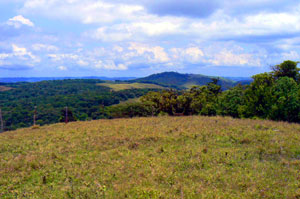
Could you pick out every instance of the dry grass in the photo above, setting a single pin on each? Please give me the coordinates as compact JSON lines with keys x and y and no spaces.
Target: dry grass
{"x":119,"y":87}
{"x":5,"y":88}
{"x":129,"y":101}
{"x":163,"y":157}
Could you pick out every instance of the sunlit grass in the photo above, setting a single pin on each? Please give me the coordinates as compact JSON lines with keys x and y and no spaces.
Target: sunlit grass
{"x":119,"y":87}
{"x":5,"y":88}
{"x":129,"y":101}
{"x":162,"y":157}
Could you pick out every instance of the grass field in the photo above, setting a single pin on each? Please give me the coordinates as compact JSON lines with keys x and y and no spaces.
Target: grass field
{"x":119,"y":87}
{"x":162,"y":157}
{"x":129,"y":101}
{"x":4,"y":88}
{"x":189,"y":85}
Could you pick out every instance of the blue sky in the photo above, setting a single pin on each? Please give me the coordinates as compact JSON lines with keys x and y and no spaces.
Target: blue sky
{"x":137,"y":38}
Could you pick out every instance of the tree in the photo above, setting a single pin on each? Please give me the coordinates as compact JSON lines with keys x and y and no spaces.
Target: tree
{"x":285,"y":101}
{"x":231,"y":100}
{"x":287,"y":69}
{"x":204,"y":99}
{"x":165,"y":101}
{"x":214,"y":87}
{"x":152,"y":99}
{"x":258,"y":97}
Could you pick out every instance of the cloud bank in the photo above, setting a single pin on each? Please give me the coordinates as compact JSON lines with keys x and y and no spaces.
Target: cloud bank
{"x":131,"y":38}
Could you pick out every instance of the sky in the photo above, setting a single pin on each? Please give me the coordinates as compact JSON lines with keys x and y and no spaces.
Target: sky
{"x":118,"y":38}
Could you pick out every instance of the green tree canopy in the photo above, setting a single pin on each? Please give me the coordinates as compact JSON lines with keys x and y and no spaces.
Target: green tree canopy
{"x":287,"y":69}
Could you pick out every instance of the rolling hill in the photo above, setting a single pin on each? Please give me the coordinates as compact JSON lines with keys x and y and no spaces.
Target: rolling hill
{"x":159,"y":157}
{"x":182,"y":81}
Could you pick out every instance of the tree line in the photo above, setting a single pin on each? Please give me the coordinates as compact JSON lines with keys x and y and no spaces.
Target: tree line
{"x":272,"y":95}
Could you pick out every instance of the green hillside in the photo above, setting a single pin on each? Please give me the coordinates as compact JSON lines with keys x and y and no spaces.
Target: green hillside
{"x":123,"y":86}
{"x":177,"y":80}
{"x":162,"y":157}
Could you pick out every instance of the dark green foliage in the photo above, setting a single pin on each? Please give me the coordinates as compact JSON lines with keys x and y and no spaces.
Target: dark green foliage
{"x":129,"y":110}
{"x":285,"y":102}
{"x":67,"y":116}
{"x":231,"y":100}
{"x":258,"y":96}
{"x":85,"y":98}
{"x":287,"y":69}
{"x":198,"y":100}
{"x":204,"y":99}
{"x":165,"y":101}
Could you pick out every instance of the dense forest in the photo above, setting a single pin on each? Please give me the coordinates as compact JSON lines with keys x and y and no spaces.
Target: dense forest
{"x":274,"y":95}
{"x":86,"y":100}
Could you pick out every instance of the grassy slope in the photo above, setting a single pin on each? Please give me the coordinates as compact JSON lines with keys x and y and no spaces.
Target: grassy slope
{"x":164,"y":157}
{"x":5,"y":88}
{"x":123,"y":86}
{"x":129,"y":101}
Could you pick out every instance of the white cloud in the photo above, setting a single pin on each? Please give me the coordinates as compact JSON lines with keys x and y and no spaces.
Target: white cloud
{"x":23,"y":53}
{"x":39,"y":47}
{"x":86,"y":11}
{"x":194,"y":53}
{"x":263,"y":24}
{"x":138,"y":28}
{"x":190,"y":54}
{"x":82,"y":62}
{"x":109,"y":65}
{"x":4,"y":55}
{"x":158,"y":28}
{"x":63,"y":68}
{"x":292,"y":55}
{"x":118,"y":49}
{"x":19,"y":56}
{"x":89,"y":60}
{"x":60,"y":57}
{"x":126,"y":34}
{"x":229,"y":58}
{"x":128,"y":19}
{"x":18,"y":21}
{"x":19,"y":51}
{"x":110,"y":34}
{"x":123,"y":20}
{"x":153,"y":54}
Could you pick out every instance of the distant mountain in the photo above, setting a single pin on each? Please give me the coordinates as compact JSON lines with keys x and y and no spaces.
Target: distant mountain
{"x":169,"y":79}
{"x":38,"y":79}
{"x":110,"y":78}
{"x":183,"y":81}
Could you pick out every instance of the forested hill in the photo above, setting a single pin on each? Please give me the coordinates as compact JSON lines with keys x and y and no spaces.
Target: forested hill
{"x":85,"y":98}
{"x":183,"y":81}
